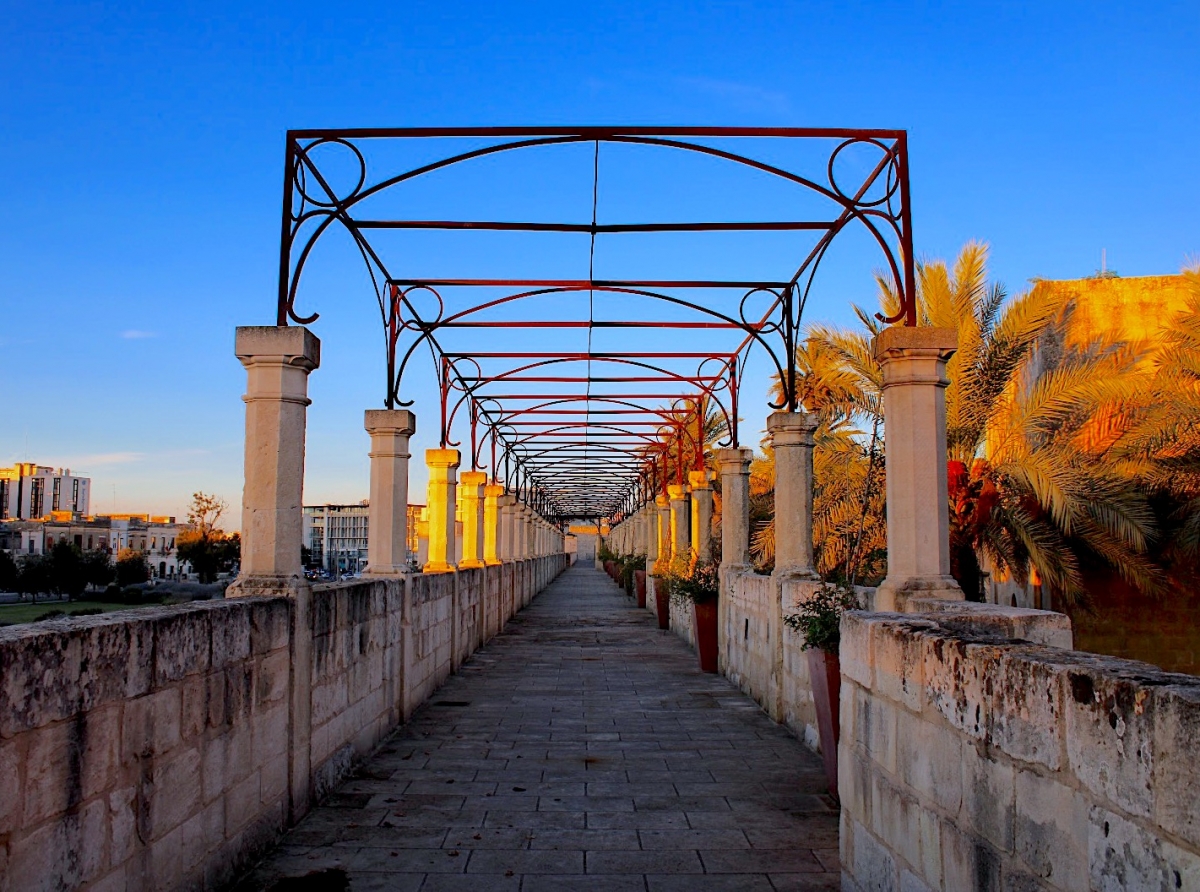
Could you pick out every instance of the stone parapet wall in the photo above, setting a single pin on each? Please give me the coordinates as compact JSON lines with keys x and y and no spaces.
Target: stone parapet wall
{"x":167,"y":747}
{"x":969,"y":760}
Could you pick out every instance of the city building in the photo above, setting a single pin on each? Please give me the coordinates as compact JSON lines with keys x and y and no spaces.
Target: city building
{"x":30,"y":491}
{"x":152,"y":535}
{"x":336,"y":536}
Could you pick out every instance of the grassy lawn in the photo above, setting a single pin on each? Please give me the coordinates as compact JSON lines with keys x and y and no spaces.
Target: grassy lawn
{"x":10,"y":614}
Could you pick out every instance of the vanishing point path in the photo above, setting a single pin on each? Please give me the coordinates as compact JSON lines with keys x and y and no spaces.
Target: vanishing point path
{"x":581,"y":749}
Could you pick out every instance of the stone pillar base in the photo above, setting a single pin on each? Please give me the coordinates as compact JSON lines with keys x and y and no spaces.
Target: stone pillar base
{"x":893,"y":596}
{"x":269,"y":587}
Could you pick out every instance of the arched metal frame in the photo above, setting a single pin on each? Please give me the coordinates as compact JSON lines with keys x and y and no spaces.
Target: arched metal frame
{"x":591,"y":452}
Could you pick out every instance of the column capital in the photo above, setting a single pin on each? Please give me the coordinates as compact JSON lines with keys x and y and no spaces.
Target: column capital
{"x":400,"y":422}
{"x":791,"y":428}
{"x":442,"y":458}
{"x":493,"y":490}
{"x":472,"y":478}
{"x":292,"y":345}
{"x":661,"y":501}
{"x":698,"y":480}
{"x":736,"y":460}
{"x":677,"y":492}
{"x":914,"y":355}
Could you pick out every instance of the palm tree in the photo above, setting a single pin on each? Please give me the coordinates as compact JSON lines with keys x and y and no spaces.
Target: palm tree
{"x":1032,"y":485}
{"x":849,"y":539}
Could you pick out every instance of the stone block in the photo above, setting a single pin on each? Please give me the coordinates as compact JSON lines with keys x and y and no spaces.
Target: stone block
{"x":1051,"y":831}
{"x":875,"y":731}
{"x":173,"y":792}
{"x":1038,"y":626}
{"x":930,"y":759}
{"x":39,"y":677}
{"x":151,"y":725}
{"x":272,"y":677}
{"x":182,"y":644}
{"x":270,"y":735}
{"x":68,"y":762}
{"x":1110,"y":735}
{"x":874,"y":867}
{"x":957,"y":683}
{"x":203,"y":834}
{"x":193,"y":718}
{"x":270,"y":624}
{"x":117,"y":658}
{"x":854,"y":651}
{"x":1124,"y":856}
{"x":122,"y":822}
{"x":1027,"y":709}
{"x":12,"y":758}
{"x":897,"y":656}
{"x":239,"y":692}
{"x":242,"y":803}
{"x":230,"y":633}
{"x":59,"y":854}
{"x":895,"y":819}
{"x":1176,"y":778}
{"x":968,"y":863}
{"x":930,"y":831}
{"x":910,"y":882}
{"x":988,"y":796}
{"x":166,"y":861}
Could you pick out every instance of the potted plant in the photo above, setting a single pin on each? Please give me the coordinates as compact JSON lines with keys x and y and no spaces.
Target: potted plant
{"x":633,"y":577}
{"x":699,"y":585}
{"x":662,"y":601}
{"x":819,"y":621}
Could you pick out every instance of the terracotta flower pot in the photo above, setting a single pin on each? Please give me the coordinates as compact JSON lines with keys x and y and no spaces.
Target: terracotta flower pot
{"x":639,"y":580}
{"x":662,"y":603}
{"x":705,"y":615}
{"x":825,"y":675}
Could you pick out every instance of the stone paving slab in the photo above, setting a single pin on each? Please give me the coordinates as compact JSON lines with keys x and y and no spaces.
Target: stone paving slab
{"x":581,"y":749}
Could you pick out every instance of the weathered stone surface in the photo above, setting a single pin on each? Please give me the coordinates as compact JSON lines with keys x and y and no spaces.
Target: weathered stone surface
{"x":155,"y":749}
{"x":1077,"y":771}
{"x":1176,"y":779}
{"x":1110,"y":738}
{"x":1124,"y":856}
{"x":1051,"y":830}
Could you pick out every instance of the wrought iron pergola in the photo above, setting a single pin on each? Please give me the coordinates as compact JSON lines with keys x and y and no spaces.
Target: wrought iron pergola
{"x":580,"y":432}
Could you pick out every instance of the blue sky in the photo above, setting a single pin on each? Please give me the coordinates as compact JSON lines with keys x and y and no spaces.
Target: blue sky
{"x":142,"y":148}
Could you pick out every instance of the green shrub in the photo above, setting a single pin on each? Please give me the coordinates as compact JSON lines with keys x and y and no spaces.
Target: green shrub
{"x":819,"y":619}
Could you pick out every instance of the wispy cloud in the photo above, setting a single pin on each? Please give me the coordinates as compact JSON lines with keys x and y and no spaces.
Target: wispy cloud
{"x":134,"y":334}
{"x":745,"y":97}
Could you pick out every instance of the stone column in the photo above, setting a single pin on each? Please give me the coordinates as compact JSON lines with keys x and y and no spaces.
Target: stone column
{"x":702,"y":506}
{"x":662,"y":511}
{"x":423,"y":537}
{"x":443,"y":485}
{"x":650,"y":536}
{"x":681,"y":546}
{"x":792,"y":438}
{"x":387,"y":519}
{"x":504,"y":508}
{"x":914,"y":408}
{"x":492,"y":493}
{"x":277,"y":361}
{"x":470,"y":494}
{"x":735,"y":507}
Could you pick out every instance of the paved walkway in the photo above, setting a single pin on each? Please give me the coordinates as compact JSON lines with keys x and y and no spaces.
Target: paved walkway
{"x":581,"y":749}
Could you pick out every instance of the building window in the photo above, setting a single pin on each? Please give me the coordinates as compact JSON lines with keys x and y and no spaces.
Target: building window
{"x":3,"y":500}
{"x":56,"y":497}
{"x":37,"y":491}
{"x":75,"y":495}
